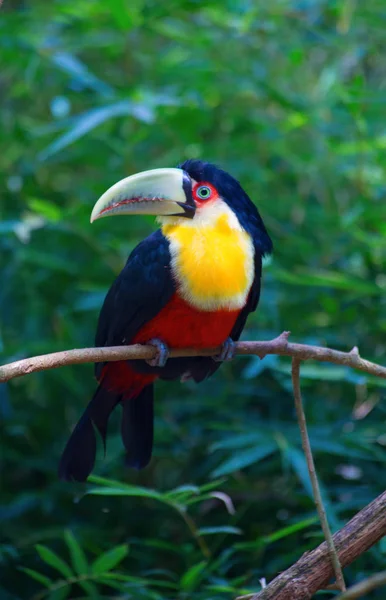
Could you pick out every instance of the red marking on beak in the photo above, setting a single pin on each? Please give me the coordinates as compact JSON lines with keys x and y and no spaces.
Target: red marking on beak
{"x":129,"y":201}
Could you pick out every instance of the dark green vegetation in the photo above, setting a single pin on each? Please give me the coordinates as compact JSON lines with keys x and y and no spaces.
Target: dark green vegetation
{"x":287,"y":96}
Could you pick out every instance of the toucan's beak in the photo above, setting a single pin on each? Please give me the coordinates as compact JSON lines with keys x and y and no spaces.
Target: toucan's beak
{"x":156,"y":192}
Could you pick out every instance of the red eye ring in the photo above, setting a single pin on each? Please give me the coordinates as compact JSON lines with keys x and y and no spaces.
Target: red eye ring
{"x":204,"y":191}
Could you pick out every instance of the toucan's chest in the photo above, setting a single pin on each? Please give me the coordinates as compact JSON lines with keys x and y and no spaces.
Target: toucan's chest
{"x":212,"y":262}
{"x":180,"y":325}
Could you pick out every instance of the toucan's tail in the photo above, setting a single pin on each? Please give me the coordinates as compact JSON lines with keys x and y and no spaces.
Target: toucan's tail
{"x":78,"y":457}
{"x":137,"y":428}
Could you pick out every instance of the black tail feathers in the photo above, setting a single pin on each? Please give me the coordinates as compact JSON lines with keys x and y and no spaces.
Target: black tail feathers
{"x":137,"y":428}
{"x":78,"y":457}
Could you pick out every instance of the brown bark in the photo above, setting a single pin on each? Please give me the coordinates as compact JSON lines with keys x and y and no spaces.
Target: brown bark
{"x":279,"y":346}
{"x":314,"y":569}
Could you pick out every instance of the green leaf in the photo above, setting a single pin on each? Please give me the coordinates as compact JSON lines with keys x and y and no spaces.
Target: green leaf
{"x":331,"y":279}
{"x":241,"y":440}
{"x":220,"y":529}
{"x":126,"y":17}
{"x":299,"y":464}
{"x":340,"y":449}
{"x":188,"y":490}
{"x":193,"y":576}
{"x":110,"y":487}
{"x":54,"y":561}
{"x":90,"y":588}
{"x":382,"y":545}
{"x":78,"y":558}
{"x":40,"y":258}
{"x":324,"y":372}
{"x":278,"y":535}
{"x":43,"y":579}
{"x":125,"y":491}
{"x":245,"y":458}
{"x":46,"y":209}
{"x":61,"y":593}
{"x":110,"y":559}
{"x":90,"y":120}
{"x":72,"y":65}
{"x":212,"y":485}
{"x":290,"y":529}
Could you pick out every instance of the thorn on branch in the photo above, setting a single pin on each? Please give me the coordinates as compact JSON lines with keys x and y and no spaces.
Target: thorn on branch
{"x":281,"y":340}
{"x":278,"y":344}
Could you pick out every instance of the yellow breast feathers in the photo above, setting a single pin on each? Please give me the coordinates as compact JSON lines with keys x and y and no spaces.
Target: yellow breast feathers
{"x":212,"y":260}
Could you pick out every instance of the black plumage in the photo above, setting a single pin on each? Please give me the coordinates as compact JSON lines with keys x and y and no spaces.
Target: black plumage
{"x":140,"y":292}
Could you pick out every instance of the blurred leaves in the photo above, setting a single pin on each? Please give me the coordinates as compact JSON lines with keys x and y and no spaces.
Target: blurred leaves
{"x":287,"y":96}
{"x":78,"y":558}
{"x":51,"y":559}
{"x":93,"y":118}
{"x":74,"y":67}
{"x":85,"y":576}
{"x":244,"y":458}
{"x":109,"y":559}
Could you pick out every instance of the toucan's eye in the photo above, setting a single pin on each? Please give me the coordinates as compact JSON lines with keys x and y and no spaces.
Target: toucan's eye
{"x":204,"y":192}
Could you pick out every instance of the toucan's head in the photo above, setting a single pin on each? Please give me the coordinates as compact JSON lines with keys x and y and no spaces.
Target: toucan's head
{"x":194,"y":190}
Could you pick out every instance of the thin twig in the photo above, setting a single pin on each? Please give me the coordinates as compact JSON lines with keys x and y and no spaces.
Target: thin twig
{"x":313,"y":476}
{"x":279,"y":346}
{"x":193,"y":530}
{"x":364,"y":587}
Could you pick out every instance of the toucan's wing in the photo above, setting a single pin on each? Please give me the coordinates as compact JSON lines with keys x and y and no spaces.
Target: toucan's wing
{"x":143,"y":288}
{"x":252,"y":302}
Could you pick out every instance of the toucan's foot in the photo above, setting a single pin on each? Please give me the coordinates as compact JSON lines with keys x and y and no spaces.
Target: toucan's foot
{"x":227,"y":351}
{"x":162,"y":353}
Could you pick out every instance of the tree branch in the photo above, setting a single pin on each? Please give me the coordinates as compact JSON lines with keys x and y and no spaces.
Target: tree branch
{"x":314,"y":570}
{"x":364,"y":587}
{"x":313,"y":476}
{"x":279,"y":346}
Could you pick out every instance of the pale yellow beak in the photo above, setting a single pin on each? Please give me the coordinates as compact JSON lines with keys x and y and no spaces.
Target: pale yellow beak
{"x":156,"y":192}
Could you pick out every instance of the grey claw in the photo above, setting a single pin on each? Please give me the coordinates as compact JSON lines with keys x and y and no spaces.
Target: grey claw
{"x":227,"y":351}
{"x":162,"y":355}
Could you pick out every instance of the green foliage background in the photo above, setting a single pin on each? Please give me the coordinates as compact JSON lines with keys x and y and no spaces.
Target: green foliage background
{"x":289,"y":96}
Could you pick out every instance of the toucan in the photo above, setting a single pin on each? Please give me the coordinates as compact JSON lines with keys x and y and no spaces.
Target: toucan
{"x":190,"y":284}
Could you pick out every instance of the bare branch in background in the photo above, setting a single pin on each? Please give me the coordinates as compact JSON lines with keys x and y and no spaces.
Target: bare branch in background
{"x":364,"y":587}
